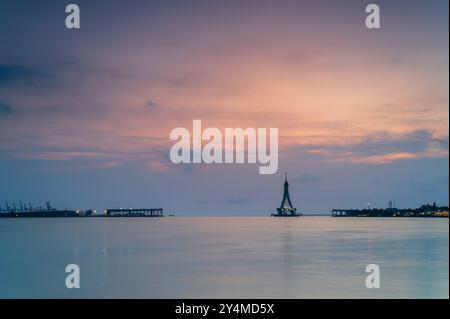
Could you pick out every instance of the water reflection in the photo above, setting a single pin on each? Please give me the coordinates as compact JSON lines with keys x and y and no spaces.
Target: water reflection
{"x":306,"y":257}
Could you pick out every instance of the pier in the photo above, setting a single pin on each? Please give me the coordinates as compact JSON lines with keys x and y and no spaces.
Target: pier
{"x":345,"y":212}
{"x":422,"y":211}
{"x":137,"y":212}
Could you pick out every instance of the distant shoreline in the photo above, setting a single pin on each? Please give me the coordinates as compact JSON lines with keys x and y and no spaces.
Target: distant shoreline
{"x":2,"y":216}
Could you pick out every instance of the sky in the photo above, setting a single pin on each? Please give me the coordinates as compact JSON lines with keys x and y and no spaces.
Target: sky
{"x":86,"y":114}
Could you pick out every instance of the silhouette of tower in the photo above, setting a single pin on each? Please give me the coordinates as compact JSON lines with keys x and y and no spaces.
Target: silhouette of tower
{"x":286,"y":207}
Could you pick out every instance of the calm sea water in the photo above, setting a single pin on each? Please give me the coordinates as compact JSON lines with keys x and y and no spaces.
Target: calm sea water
{"x":224,"y":257}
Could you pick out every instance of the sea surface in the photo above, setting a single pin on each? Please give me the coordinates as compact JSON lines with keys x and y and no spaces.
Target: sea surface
{"x":224,"y":257}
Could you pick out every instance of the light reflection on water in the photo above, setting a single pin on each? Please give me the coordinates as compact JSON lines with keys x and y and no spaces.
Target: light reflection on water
{"x":224,"y":257}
